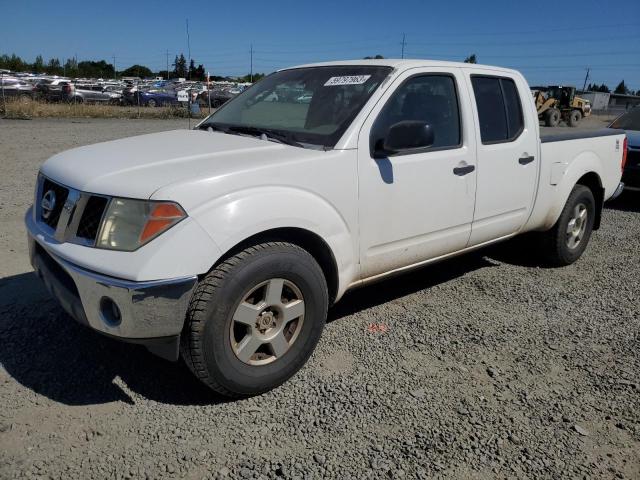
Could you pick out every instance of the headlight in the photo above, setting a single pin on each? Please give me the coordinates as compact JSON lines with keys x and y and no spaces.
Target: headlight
{"x":129,"y":224}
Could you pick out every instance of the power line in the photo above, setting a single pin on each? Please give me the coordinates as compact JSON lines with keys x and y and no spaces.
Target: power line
{"x":537,"y":31}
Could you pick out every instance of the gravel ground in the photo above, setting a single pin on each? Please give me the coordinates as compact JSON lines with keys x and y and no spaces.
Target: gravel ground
{"x":486,"y":366}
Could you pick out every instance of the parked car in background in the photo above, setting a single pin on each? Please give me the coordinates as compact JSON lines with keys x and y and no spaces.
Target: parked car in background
{"x":154,"y":99}
{"x":630,"y":123}
{"x":50,"y":89}
{"x":218,"y":97}
{"x":91,"y":93}
{"x":15,"y":88}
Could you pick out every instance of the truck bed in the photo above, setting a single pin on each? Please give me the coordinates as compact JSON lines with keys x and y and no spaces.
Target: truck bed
{"x":560,"y":135}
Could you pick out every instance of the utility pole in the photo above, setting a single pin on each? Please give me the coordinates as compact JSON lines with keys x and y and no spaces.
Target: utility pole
{"x":115,"y":76}
{"x":4,"y":102}
{"x":586,"y":77}
{"x":189,"y":49}
{"x":167,"y":64}
{"x":403,"y":44}
{"x":251,"y":69}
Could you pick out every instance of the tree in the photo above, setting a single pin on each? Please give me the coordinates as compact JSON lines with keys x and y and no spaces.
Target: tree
{"x":471,"y":59}
{"x":199,"y":73}
{"x":38,"y":65}
{"x":137,"y":71}
{"x":93,"y":69}
{"x":180,"y":66}
{"x":621,"y":88}
{"x":71,"y":67}
{"x":377,"y":57}
{"x":247,"y":77}
{"x":53,"y":67}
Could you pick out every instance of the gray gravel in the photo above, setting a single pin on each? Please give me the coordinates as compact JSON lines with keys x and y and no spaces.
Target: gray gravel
{"x":480,"y":367}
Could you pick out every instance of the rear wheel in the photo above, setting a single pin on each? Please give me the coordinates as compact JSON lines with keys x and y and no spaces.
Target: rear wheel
{"x":552,"y":117}
{"x":151,"y":103}
{"x":567,"y":240}
{"x":574,"y":118}
{"x":255,"y":319}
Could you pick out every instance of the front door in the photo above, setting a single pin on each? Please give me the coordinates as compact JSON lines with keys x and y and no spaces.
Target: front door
{"x":417,"y":205}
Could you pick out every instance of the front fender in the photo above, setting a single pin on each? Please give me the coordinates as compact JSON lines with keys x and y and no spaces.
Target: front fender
{"x":236,"y":216}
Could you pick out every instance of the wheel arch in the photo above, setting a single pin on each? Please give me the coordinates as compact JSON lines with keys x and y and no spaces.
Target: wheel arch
{"x":303,"y":238}
{"x":593,"y":182}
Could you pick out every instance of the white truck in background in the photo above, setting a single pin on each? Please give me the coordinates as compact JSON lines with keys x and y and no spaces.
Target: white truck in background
{"x":227,"y":243}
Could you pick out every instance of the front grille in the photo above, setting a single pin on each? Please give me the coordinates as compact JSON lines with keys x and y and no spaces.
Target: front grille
{"x":56,"y":196}
{"x":91,"y":216}
{"x":73,"y":215}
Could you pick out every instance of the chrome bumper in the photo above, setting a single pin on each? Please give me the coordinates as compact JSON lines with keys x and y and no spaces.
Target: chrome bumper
{"x":151,"y":313}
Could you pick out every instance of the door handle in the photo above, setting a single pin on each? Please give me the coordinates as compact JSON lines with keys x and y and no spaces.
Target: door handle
{"x":526,"y":160}
{"x":460,"y":171}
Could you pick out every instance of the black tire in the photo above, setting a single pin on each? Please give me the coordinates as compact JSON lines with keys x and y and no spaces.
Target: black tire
{"x":556,"y":249}
{"x":552,"y":117}
{"x":206,"y":341}
{"x":574,"y":118}
{"x":151,"y":103}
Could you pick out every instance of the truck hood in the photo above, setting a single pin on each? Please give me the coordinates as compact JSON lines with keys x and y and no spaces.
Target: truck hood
{"x":138,"y":166}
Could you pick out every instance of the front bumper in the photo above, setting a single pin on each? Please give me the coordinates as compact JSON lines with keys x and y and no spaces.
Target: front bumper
{"x":151,"y":313}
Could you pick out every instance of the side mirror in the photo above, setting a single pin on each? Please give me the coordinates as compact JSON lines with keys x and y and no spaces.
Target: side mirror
{"x":403,"y":137}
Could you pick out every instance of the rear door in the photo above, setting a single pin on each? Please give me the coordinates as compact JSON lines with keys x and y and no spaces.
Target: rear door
{"x":507,"y":155}
{"x":417,"y":205}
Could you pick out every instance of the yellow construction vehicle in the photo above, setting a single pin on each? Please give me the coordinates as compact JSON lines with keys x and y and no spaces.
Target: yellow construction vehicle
{"x":557,"y":103}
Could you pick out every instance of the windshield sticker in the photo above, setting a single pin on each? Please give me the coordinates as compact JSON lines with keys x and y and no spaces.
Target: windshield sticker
{"x":347,"y":80}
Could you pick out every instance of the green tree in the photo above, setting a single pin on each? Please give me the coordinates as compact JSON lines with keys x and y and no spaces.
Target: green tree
{"x":180,"y":66}
{"x":71,"y":67}
{"x":471,"y":59}
{"x":376,"y":57}
{"x":38,"y":65}
{"x":199,"y":73}
{"x":91,"y":69}
{"x":247,"y":77}
{"x":137,"y":71}
{"x":621,"y":88}
{"x":53,"y":67}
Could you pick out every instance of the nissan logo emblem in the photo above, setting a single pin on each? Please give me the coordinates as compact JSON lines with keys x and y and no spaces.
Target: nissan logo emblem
{"x":48,"y":203}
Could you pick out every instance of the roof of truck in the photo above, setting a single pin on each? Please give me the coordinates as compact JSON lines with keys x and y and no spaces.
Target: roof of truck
{"x":404,"y":64}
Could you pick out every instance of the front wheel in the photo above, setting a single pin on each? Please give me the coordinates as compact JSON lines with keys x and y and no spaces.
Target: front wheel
{"x":552,"y":117}
{"x":151,"y":103}
{"x":567,"y":240}
{"x":255,"y":319}
{"x":574,"y":118}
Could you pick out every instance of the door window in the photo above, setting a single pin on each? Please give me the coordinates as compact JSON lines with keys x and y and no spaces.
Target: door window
{"x":499,"y":109}
{"x":431,"y":99}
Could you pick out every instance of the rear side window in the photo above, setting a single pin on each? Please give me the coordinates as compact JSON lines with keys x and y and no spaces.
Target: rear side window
{"x":499,"y":109}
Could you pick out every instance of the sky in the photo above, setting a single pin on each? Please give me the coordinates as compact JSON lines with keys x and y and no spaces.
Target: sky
{"x":575,"y":36}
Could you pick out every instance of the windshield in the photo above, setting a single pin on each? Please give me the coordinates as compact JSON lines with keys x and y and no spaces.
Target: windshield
{"x":628,"y":121}
{"x":312,"y":105}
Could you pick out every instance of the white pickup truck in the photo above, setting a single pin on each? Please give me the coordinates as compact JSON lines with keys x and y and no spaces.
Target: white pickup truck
{"x":227,"y":243}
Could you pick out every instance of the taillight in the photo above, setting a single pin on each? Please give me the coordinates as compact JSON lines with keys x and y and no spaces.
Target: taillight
{"x":624,"y":153}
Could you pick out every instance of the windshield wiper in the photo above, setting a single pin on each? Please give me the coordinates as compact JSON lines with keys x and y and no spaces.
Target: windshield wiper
{"x":213,"y":126}
{"x":268,"y":133}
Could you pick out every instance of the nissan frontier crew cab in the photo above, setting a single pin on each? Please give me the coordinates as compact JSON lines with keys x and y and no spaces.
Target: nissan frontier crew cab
{"x":226,"y":244}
